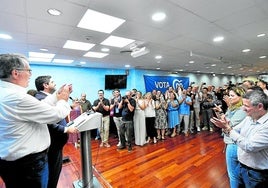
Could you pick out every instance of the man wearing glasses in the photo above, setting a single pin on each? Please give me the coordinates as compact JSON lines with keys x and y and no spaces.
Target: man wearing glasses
{"x":24,"y":136}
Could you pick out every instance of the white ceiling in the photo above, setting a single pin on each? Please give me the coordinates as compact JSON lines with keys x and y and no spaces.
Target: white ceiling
{"x":189,"y":27}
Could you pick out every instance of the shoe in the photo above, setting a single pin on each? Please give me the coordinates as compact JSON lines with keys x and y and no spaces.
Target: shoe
{"x":186,"y":134}
{"x":155,"y":141}
{"x":173,"y":135}
{"x":121,"y":147}
{"x":191,"y":131}
{"x":158,"y":137}
{"x":211,"y":130}
{"x":119,"y":143}
{"x":107,"y":145}
{"x":129,"y":148}
{"x":148,"y":141}
{"x":204,"y":129}
{"x":163,"y":138}
{"x":198,"y":129}
{"x":97,"y":138}
{"x":101,"y":145}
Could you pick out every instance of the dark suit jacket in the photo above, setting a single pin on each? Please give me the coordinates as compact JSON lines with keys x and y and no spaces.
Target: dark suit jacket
{"x":57,"y":135}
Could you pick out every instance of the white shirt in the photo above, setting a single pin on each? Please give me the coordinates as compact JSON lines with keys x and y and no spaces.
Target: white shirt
{"x":24,"y":119}
{"x":150,"y":108}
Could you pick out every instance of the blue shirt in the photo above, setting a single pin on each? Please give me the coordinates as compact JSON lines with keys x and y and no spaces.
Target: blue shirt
{"x":252,"y":140}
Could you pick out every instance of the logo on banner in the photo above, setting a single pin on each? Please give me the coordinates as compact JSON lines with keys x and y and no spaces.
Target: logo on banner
{"x":176,"y":83}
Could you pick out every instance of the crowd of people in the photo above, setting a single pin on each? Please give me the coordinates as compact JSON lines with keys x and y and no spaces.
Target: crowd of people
{"x":33,"y":126}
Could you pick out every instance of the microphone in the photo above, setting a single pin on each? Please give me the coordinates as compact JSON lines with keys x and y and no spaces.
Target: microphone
{"x":71,"y":98}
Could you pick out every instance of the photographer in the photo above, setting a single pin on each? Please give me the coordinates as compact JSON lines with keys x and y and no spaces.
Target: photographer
{"x":128,"y":105}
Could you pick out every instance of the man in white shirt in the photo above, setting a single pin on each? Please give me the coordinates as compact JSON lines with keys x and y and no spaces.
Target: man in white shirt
{"x":24,"y":136}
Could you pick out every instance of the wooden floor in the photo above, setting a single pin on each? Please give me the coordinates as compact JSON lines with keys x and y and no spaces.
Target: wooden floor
{"x":195,"y":161}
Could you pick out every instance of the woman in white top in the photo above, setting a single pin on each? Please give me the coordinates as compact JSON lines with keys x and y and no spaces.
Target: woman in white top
{"x":139,"y":120}
{"x":150,"y":118}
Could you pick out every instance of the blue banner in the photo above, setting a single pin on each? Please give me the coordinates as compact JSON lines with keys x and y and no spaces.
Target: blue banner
{"x":163,"y":82}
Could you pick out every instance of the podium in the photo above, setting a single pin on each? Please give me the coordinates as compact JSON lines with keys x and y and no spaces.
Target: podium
{"x":85,"y":123}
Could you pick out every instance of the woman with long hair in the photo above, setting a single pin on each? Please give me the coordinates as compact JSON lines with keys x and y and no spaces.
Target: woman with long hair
{"x":234,"y":114}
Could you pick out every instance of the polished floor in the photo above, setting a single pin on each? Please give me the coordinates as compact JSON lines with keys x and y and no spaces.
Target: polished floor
{"x":192,"y":161}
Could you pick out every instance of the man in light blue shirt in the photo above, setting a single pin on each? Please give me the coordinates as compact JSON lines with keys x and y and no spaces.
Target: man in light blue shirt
{"x":251,"y":137}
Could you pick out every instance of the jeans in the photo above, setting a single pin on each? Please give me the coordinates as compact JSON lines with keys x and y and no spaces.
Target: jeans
{"x":118,"y":122}
{"x":253,"y":178}
{"x":30,"y":171}
{"x":232,"y":163}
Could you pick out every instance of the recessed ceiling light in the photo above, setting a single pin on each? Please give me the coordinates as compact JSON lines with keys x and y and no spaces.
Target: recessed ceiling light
{"x":229,"y":67}
{"x":198,"y":71}
{"x":158,"y":57}
{"x":158,"y":68}
{"x":262,"y":57}
{"x":191,"y":62}
{"x":246,"y":50}
{"x":213,"y":65}
{"x":75,"y":45}
{"x":54,"y":12}
{"x":98,"y":21}
{"x":127,"y":66}
{"x":218,"y":39}
{"x":159,"y":16}
{"x":261,"y":35}
{"x":180,"y":70}
{"x":117,"y":41}
{"x":43,"y":49}
{"x":66,"y":61}
{"x":5,"y":36}
{"x":95,"y":54}
{"x":105,"y":49}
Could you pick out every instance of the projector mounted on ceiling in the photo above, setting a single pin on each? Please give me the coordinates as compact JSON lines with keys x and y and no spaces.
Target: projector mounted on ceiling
{"x":139,"y":52}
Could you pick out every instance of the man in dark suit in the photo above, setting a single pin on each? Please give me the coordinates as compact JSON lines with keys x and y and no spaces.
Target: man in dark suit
{"x":58,"y":132}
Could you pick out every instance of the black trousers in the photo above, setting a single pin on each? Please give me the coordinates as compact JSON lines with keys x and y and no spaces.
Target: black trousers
{"x":30,"y":171}
{"x":54,"y":166}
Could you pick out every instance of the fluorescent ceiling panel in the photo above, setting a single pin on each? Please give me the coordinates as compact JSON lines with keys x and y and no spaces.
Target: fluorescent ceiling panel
{"x":41,"y":55}
{"x":39,"y":59}
{"x":66,"y":61}
{"x":97,"y":21}
{"x":117,"y":41}
{"x":95,"y":54}
{"x":75,"y":45}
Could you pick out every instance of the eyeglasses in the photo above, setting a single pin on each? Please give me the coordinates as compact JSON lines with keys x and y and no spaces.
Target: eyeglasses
{"x":28,"y":70}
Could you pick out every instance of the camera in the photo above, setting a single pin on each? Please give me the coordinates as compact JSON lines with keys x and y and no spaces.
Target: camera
{"x":124,"y":97}
{"x":204,"y":83}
